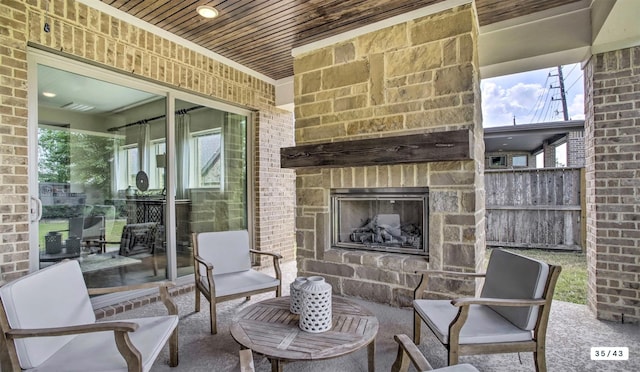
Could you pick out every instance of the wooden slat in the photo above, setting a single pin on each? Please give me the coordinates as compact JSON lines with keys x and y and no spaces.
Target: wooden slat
{"x":261,"y":33}
{"x":533,"y":208}
{"x":417,"y":148}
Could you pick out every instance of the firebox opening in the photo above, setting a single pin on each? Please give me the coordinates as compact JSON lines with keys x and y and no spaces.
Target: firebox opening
{"x":381,"y":219}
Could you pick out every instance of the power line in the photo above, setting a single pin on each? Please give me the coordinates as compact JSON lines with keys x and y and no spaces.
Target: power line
{"x":540,"y":110}
{"x":535,"y":107}
{"x":574,"y":82}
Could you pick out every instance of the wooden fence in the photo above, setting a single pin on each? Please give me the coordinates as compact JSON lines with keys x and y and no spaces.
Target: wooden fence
{"x":535,"y":208}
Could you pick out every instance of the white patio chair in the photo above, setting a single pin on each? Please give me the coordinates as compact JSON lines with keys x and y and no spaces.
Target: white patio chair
{"x":48,"y":324}
{"x":222,"y":264}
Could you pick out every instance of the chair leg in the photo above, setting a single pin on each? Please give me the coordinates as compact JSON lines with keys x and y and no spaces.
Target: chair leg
{"x":540,"y":360}
{"x":417,"y":324}
{"x":173,"y":348}
{"x":197,"y":291}
{"x":212,"y":310}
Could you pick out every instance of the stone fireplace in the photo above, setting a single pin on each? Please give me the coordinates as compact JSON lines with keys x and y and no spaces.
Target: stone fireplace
{"x":395,"y":109}
{"x":380,"y":219}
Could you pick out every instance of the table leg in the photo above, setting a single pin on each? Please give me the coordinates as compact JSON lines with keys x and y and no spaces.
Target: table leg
{"x":371,"y":351}
{"x":276,"y":365}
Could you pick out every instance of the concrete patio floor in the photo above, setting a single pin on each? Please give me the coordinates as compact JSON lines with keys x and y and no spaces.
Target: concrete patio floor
{"x":573,"y":330}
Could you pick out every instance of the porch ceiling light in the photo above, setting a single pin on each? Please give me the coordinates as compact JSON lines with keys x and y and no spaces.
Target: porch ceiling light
{"x":49,"y":94}
{"x":207,"y":11}
{"x":77,"y":107}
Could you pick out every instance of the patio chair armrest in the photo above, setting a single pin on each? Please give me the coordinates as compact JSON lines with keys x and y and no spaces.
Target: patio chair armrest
{"x":407,"y":349}
{"x":450,"y":273}
{"x":163,"y":287}
{"x":71,"y":330}
{"x":274,"y":255}
{"x":276,"y":260}
{"x":132,"y":287}
{"x":426,"y":274}
{"x":496,"y":301}
{"x":204,"y":262}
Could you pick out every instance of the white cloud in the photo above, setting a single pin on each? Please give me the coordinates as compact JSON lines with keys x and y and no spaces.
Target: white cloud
{"x":576,"y":108}
{"x":500,"y":104}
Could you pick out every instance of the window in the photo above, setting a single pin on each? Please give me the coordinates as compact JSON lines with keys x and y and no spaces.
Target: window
{"x":519,"y":161}
{"x":158,"y":164}
{"x":207,"y":155}
{"x":129,"y":166}
{"x":497,"y":161}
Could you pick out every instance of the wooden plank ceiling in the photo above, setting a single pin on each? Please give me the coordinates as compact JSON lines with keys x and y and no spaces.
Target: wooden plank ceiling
{"x":260,"y":34}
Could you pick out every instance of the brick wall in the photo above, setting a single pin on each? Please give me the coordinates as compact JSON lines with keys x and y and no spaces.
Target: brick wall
{"x":416,"y":77}
{"x":85,"y":33}
{"x":274,"y":187}
{"x":612,"y":102}
{"x":575,"y":149}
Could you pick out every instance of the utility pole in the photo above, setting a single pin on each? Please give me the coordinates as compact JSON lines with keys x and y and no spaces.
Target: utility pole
{"x":563,"y":96}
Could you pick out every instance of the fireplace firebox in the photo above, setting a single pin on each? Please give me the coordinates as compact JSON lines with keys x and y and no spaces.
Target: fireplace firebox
{"x":381,"y":219}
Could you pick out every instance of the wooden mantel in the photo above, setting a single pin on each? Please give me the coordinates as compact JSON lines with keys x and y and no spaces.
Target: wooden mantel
{"x":415,"y":148}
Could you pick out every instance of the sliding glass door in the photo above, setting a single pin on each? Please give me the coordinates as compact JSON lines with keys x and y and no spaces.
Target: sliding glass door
{"x":211,"y":174}
{"x":98,"y":182}
{"x":122,"y":185}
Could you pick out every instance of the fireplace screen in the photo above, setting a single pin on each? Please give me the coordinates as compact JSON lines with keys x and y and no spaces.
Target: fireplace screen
{"x":380,"y":219}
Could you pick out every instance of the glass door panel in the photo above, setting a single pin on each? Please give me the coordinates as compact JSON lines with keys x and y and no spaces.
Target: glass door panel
{"x":211,"y":175}
{"x":99,"y":179}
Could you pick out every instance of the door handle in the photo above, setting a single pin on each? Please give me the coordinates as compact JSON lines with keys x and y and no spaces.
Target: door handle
{"x":36,"y":214}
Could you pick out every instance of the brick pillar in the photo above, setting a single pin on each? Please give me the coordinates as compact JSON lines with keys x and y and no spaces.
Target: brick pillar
{"x":575,"y":149}
{"x":612,"y":162}
{"x":549,"y":155}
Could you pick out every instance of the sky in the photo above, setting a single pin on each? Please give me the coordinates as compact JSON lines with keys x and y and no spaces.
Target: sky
{"x":527,"y":96}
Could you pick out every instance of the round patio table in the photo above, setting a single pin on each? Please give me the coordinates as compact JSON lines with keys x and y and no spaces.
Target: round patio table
{"x":268,"y":328}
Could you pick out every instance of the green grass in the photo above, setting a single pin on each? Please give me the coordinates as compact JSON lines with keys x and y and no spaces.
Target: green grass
{"x":62,"y":225}
{"x":572,"y":283}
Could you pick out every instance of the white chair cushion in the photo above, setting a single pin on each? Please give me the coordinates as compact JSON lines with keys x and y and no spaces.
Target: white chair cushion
{"x":52,"y":297}
{"x":513,"y":276}
{"x":482,"y":326}
{"x":240,"y":282}
{"x":228,"y":251}
{"x":98,"y":351}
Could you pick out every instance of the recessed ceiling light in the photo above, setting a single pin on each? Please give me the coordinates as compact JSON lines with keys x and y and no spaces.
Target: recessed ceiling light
{"x":207,"y":11}
{"x":77,"y":107}
{"x":49,"y":94}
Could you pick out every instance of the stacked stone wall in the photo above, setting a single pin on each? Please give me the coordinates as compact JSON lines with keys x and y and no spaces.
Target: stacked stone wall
{"x":416,"y":77}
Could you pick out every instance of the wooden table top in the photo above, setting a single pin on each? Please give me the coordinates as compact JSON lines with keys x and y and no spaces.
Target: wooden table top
{"x":268,"y":328}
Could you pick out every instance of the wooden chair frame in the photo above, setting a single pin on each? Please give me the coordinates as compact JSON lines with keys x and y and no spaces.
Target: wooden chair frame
{"x":408,"y":354}
{"x":9,"y":357}
{"x":209,"y":291}
{"x":455,"y":349}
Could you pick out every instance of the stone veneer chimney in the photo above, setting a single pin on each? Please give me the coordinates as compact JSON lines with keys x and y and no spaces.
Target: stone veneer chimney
{"x":416,"y":77}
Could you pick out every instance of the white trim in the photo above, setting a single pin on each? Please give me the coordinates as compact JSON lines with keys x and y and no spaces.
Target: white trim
{"x":32,"y":169}
{"x":536,"y":62}
{"x":107,"y":9}
{"x":285,"y":93}
{"x":402,"y":18}
{"x":559,"y":11}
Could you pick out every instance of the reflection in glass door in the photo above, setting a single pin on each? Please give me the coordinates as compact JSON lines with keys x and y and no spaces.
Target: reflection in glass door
{"x":101,"y":178}
{"x":211,"y":175}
